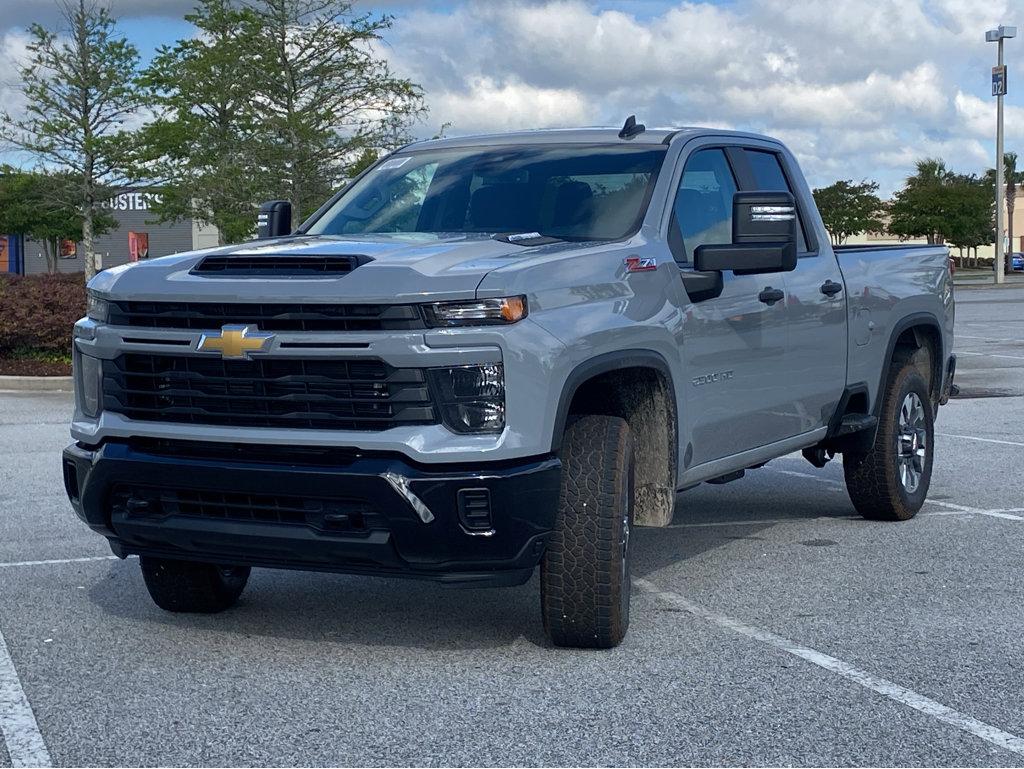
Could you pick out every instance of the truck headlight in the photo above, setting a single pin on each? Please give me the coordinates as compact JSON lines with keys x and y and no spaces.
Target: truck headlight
{"x":97,"y":309}
{"x":476,"y":312}
{"x":471,"y":398}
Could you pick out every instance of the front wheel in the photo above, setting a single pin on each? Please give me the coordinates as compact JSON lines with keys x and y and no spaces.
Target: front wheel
{"x":187,"y":586}
{"x":585,"y":582}
{"x":890,"y":480}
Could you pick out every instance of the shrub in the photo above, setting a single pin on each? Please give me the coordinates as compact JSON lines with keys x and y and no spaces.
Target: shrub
{"x":38,"y":311}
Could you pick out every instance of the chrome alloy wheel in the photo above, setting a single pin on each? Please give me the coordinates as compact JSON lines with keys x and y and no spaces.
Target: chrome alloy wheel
{"x":911,"y":442}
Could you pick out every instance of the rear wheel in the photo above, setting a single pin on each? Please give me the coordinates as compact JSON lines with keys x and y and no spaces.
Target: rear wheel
{"x":890,"y":480}
{"x":187,"y":586}
{"x":585,"y":582}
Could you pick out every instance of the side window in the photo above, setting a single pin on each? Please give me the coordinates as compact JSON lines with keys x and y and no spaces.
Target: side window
{"x":702,"y":213}
{"x":768,"y":175}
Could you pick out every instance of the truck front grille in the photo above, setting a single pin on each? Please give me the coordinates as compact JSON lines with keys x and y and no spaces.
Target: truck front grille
{"x":354,"y":394}
{"x":329,"y":515}
{"x":267,"y":317}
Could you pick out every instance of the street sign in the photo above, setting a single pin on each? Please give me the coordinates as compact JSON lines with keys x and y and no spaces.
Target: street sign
{"x":999,"y":81}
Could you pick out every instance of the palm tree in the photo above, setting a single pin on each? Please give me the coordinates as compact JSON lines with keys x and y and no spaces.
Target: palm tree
{"x":1011,"y":178}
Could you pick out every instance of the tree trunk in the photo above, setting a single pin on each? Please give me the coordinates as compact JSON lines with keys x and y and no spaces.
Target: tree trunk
{"x":1009,"y":229}
{"x":50,"y":251}
{"x":87,"y":243}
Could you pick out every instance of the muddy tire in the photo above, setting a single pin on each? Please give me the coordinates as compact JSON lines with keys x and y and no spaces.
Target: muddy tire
{"x":585,"y":581}
{"x":889,"y":481}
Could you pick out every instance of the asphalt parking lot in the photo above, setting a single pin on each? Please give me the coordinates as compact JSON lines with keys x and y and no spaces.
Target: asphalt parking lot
{"x":770,"y":626}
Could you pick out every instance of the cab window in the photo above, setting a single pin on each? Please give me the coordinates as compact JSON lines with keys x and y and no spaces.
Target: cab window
{"x":702,"y":213}
{"x":769,"y":176}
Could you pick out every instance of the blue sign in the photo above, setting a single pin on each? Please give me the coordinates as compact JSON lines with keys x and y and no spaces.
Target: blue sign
{"x":999,"y":81}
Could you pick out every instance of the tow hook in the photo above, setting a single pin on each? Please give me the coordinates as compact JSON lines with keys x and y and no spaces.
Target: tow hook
{"x":818,"y":456}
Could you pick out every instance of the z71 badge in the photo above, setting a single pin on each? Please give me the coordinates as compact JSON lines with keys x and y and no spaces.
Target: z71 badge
{"x":641,"y":263}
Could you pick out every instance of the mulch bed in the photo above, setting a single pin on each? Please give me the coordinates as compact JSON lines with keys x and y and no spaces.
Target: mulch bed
{"x":28,"y":367}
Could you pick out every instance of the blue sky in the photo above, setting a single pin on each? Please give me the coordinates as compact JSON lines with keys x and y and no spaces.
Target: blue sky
{"x":858,"y":88}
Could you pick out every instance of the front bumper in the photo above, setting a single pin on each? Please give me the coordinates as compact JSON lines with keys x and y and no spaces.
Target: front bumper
{"x":298,"y":509}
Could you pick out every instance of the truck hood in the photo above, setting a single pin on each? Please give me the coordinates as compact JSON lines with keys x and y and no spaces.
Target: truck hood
{"x":401,"y":269}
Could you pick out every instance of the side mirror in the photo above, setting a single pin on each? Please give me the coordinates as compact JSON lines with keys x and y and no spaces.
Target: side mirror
{"x":763,"y":235}
{"x":275,"y":219}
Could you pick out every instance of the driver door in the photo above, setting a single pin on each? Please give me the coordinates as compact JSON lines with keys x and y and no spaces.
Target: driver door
{"x":734,"y":344}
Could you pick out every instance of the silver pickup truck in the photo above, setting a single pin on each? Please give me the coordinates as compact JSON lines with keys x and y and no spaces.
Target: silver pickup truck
{"x":494,"y":352}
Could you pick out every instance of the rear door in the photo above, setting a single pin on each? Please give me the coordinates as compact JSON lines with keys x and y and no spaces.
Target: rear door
{"x":734,"y":344}
{"x":815,"y":303}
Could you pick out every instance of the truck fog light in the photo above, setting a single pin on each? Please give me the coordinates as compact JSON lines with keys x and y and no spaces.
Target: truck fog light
{"x":471,"y":398}
{"x":87,"y":379}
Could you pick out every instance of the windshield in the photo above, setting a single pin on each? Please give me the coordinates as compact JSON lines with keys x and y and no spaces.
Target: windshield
{"x":581,"y":192}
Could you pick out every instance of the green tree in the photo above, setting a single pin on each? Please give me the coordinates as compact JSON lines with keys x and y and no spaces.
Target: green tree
{"x":970,"y":212}
{"x":34,"y":205}
{"x":324,"y":95}
{"x":848,"y":208}
{"x":921,"y":208}
{"x":80,"y":88}
{"x":204,"y":144}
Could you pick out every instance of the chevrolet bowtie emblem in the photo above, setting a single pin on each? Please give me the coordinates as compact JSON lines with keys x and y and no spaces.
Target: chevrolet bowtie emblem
{"x":235,"y":341}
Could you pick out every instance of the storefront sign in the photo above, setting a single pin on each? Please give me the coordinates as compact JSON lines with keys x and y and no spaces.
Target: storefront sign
{"x":132,"y":201}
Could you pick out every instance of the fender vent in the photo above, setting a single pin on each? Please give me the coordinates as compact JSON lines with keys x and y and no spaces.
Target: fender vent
{"x":278,"y":266}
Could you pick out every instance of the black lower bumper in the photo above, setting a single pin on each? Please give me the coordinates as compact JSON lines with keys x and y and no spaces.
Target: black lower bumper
{"x":317,"y":510}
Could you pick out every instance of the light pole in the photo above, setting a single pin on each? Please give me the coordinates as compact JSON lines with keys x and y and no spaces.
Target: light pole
{"x":998,"y":35}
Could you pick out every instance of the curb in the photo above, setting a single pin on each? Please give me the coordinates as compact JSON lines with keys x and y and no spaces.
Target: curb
{"x":36,"y":383}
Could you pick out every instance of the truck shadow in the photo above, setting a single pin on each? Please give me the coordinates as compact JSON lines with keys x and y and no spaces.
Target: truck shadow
{"x":397,"y":613}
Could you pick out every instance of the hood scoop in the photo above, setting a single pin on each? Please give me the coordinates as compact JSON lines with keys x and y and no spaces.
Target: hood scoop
{"x":278,"y":266}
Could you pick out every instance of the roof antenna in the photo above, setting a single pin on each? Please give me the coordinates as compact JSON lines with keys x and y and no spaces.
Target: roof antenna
{"x":631,"y":128}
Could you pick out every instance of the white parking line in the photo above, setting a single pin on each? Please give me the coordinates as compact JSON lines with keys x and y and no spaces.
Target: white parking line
{"x":18,"y":725}
{"x":813,"y":477}
{"x":60,"y":560}
{"x":990,"y":355}
{"x":989,"y":338}
{"x":762,"y":521}
{"x":983,"y":440}
{"x":886,"y":688}
{"x":953,"y":509}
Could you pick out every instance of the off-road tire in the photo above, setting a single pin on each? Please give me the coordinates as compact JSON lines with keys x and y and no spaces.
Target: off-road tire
{"x":186,"y":586}
{"x":584,"y":577}
{"x":873,"y":478}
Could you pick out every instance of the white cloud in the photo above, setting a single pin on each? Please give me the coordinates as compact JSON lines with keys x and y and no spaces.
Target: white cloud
{"x":859,"y":89}
{"x":13,"y":56}
{"x":486,"y":106}
{"x":978,"y":117}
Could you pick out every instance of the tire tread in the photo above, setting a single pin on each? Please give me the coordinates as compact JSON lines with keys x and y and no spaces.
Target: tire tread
{"x":581,"y":574}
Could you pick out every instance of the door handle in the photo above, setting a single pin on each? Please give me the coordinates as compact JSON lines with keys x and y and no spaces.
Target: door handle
{"x":771,"y":295}
{"x":831,"y":288}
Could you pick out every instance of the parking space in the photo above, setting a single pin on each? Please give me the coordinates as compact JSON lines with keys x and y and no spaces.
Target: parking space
{"x":770,"y":625}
